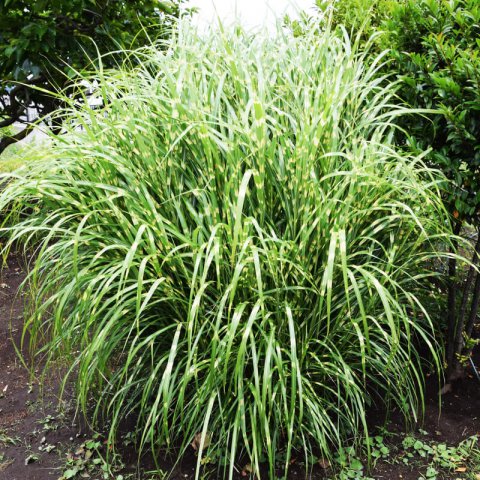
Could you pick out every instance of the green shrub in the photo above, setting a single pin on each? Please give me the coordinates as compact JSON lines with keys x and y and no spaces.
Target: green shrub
{"x":435,"y":45}
{"x":435,"y":51}
{"x":361,"y":18}
{"x":232,"y":251}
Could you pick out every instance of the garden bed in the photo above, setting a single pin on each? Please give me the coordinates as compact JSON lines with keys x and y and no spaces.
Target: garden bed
{"x":39,"y":441}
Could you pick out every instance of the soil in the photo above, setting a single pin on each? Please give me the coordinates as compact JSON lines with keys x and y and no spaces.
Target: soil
{"x":30,"y":420}
{"x":40,"y":435}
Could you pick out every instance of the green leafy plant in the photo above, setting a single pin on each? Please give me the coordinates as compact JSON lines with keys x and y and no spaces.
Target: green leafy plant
{"x":439,"y":456}
{"x":231,"y":250}
{"x":435,"y":51}
{"x":44,"y":42}
{"x":350,"y":466}
{"x":377,"y":447}
{"x":89,"y":460}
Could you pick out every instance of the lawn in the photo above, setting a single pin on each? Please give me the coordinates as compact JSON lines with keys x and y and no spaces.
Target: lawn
{"x":11,"y":159}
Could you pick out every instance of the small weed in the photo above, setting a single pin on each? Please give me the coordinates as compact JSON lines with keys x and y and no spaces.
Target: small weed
{"x":87,"y":461}
{"x":4,"y":462}
{"x":7,"y":440}
{"x":49,"y":423}
{"x":431,"y":473}
{"x":378,"y":448}
{"x":46,"y":447}
{"x":436,"y":460}
{"x":440,"y":456}
{"x":128,"y":439}
{"x":351,"y":467}
{"x":416,"y":446}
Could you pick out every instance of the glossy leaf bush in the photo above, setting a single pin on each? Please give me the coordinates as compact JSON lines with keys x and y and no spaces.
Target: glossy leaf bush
{"x":232,"y":251}
{"x":436,"y":53}
{"x":433,"y":48}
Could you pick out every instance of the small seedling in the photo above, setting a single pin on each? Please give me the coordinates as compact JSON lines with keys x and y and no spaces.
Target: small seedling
{"x":7,"y":440}
{"x":49,"y":423}
{"x":88,"y":461}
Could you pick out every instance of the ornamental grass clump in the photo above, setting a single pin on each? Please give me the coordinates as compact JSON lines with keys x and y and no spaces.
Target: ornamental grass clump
{"x":231,"y":250}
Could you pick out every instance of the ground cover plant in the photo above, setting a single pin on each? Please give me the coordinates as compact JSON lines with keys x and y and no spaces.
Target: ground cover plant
{"x":232,"y":251}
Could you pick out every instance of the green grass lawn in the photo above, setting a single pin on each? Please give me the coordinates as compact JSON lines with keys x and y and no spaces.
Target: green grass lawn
{"x":12,"y":158}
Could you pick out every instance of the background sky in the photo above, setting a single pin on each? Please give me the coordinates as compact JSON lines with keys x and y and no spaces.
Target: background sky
{"x":251,"y":13}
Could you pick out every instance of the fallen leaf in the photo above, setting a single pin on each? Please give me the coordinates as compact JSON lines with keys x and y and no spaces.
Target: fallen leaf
{"x":197,"y":441}
{"x":461,"y":469}
{"x":324,"y":463}
{"x":247,"y":470}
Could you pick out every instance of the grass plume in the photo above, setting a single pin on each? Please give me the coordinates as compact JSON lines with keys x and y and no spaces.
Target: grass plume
{"x":233,"y":246}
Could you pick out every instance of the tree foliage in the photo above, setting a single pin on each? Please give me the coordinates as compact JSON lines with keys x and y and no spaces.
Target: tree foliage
{"x":434,"y":50}
{"x":43,"y":44}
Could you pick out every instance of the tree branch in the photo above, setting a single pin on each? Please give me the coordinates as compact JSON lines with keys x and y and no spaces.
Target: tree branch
{"x":8,"y":121}
{"x":17,"y":106}
{"x":10,"y":139}
{"x":459,"y":329}
{"x":452,"y":288}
